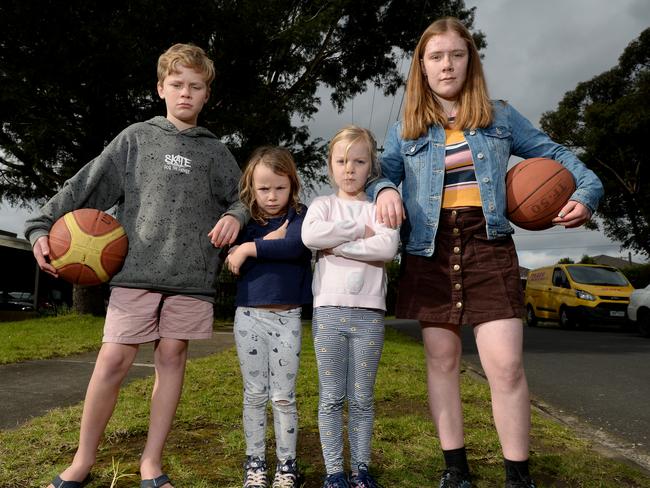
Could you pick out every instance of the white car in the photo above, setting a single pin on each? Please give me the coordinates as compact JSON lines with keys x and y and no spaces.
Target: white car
{"x":639,"y":309}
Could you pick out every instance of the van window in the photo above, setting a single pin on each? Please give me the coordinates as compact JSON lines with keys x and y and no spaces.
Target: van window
{"x":589,"y":275}
{"x":560,"y":279}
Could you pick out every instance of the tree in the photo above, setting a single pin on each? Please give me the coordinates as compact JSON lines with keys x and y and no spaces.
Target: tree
{"x":638,"y":274}
{"x":586,"y":259}
{"x":607,"y":122}
{"x":566,"y":261}
{"x":76,"y":73}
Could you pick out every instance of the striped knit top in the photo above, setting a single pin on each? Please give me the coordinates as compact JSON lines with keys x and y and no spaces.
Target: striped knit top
{"x":461,"y":188}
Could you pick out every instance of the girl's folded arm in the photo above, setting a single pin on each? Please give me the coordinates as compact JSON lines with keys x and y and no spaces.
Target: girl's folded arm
{"x":320,"y":233}
{"x":382,"y":246}
{"x":288,"y":248}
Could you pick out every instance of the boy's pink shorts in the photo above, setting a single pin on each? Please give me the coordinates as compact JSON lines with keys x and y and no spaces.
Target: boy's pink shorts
{"x":136,"y":316}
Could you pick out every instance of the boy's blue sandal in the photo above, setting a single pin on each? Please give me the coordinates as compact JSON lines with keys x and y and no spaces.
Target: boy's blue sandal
{"x":59,"y":483}
{"x":161,"y":480}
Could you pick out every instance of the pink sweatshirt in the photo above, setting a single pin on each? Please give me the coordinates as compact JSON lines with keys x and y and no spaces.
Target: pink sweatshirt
{"x":352,"y":274}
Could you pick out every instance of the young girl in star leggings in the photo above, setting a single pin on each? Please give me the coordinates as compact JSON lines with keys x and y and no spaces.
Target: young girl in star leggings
{"x":274,"y":269}
{"x":349,"y":303}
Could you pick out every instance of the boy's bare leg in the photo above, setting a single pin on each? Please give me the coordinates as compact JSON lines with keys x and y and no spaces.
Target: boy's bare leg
{"x":113,"y":363}
{"x":170,"y":357}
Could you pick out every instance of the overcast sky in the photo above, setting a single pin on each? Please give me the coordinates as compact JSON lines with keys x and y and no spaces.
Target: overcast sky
{"x":537,"y":51}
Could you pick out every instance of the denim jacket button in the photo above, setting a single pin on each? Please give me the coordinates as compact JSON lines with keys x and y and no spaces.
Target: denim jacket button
{"x":472,"y":132}
{"x":412,"y":149}
{"x":486,"y":180}
{"x":480,"y":155}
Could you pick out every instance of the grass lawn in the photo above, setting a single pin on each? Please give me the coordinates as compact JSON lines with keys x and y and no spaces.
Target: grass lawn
{"x":206,"y":446}
{"x":48,"y":337}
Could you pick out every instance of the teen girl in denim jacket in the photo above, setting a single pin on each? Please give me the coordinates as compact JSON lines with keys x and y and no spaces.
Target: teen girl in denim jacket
{"x":450,"y":153}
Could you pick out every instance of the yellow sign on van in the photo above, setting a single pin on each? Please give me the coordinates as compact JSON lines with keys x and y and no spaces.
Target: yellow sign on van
{"x":573,"y":294}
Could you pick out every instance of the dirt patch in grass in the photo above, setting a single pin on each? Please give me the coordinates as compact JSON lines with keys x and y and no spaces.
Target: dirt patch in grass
{"x":206,"y":459}
{"x":401,"y":407}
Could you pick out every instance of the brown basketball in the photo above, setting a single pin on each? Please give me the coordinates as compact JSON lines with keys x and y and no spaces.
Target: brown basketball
{"x":87,"y":246}
{"x":536,"y":190}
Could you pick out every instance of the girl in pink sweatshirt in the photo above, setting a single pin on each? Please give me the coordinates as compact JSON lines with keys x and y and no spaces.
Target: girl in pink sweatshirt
{"x":349,"y":290}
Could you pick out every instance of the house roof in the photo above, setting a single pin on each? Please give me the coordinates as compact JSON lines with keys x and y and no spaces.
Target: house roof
{"x":612,"y":261}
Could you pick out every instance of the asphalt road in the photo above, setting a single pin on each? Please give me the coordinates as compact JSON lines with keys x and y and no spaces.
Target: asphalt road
{"x":598,"y":378}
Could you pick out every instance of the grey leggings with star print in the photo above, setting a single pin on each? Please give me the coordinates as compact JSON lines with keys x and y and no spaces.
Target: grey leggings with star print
{"x":268,"y":345}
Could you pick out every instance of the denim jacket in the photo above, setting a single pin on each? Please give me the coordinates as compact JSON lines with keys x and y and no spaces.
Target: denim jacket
{"x":419,"y":165}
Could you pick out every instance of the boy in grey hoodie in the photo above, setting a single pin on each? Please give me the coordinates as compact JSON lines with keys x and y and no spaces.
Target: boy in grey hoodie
{"x":170,"y":180}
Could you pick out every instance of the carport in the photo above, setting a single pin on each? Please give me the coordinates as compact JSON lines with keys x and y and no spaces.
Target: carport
{"x":20,"y":273}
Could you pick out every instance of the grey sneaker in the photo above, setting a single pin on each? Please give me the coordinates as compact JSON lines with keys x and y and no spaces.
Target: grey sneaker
{"x":255,"y":473}
{"x":287,"y":475}
{"x":455,"y":478}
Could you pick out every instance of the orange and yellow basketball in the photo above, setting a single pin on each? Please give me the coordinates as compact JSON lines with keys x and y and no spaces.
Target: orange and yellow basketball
{"x":87,"y":246}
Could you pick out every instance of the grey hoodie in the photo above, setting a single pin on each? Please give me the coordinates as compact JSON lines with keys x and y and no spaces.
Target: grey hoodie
{"x":170,"y":188}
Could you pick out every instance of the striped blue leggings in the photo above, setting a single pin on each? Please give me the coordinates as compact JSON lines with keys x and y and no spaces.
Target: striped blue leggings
{"x":348,"y":344}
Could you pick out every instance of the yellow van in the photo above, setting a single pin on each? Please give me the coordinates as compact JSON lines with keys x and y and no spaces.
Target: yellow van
{"x":573,"y":294}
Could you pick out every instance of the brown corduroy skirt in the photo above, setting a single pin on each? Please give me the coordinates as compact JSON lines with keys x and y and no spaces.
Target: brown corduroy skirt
{"x":468,"y":280}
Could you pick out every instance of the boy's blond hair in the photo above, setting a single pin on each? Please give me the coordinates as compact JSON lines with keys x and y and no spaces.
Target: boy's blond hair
{"x":187,"y":55}
{"x":281,"y":162}
{"x":352,"y":134}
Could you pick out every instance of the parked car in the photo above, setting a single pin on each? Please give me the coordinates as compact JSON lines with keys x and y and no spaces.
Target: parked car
{"x":16,"y":300}
{"x":638,"y":310}
{"x":573,"y":294}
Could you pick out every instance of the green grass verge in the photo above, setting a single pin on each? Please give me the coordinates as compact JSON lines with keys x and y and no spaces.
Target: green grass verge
{"x":206,"y":446}
{"x":48,"y":337}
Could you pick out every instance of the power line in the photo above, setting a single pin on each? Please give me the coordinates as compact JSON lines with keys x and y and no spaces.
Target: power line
{"x":372,"y":106}
{"x":392,"y":104}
